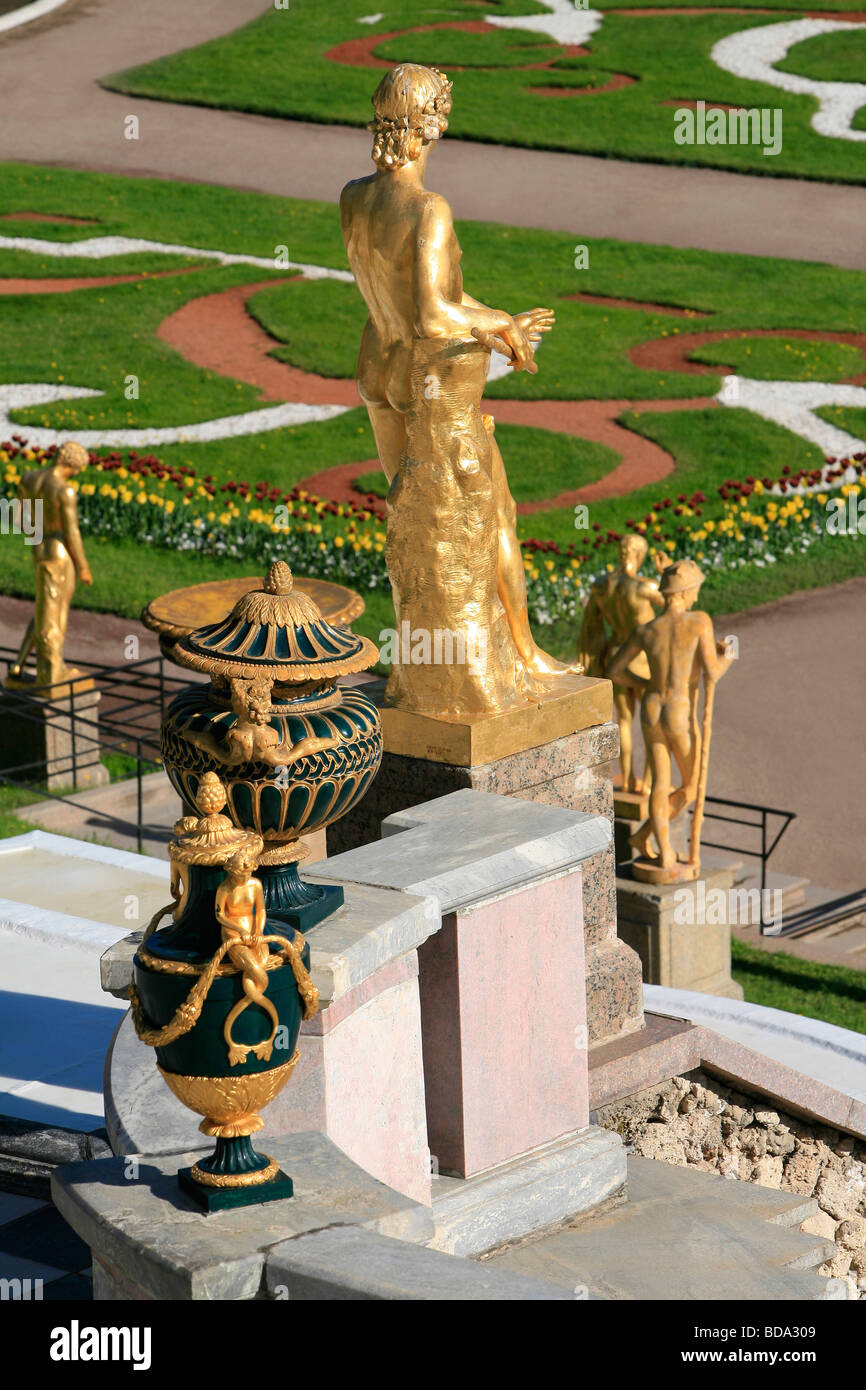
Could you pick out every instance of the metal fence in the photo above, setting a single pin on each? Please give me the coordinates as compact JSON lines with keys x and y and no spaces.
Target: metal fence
{"x":133,"y":694}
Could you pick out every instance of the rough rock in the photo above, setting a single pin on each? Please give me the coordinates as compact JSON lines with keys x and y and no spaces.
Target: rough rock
{"x":851,"y":1234}
{"x":835,"y":1195}
{"x":768,"y":1171}
{"x":820,"y":1225}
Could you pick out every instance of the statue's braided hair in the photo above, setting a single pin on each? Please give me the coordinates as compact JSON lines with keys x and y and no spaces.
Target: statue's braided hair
{"x":411,"y":105}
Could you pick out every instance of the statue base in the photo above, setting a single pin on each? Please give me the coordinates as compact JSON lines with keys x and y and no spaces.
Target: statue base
{"x":651,"y":871}
{"x":49,"y":735}
{"x":574,"y":703}
{"x":630,"y":805}
{"x":225,"y":1198}
{"x":681,"y":931}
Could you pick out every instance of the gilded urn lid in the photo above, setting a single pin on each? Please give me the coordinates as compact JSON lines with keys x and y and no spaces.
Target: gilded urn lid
{"x":276,"y":632}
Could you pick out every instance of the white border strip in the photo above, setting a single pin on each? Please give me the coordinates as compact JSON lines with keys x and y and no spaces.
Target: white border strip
{"x":29,"y":12}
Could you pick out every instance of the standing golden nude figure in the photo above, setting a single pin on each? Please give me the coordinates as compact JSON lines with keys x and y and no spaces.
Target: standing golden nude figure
{"x":453,"y":557}
{"x":59,"y":558}
{"x":620,"y":602}
{"x":240,"y":910}
{"x":679,"y":647}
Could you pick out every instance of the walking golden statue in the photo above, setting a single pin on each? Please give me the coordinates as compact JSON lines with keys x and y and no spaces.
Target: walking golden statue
{"x":680,"y":648}
{"x":453,"y":556}
{"x":59,"y":558}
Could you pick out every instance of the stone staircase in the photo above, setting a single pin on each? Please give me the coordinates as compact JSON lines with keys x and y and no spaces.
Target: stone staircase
{"x":807,"y":908}
{"x":685,"y":1234}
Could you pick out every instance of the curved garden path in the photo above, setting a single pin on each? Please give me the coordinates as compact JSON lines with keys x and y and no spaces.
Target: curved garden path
{"x":61,"y":116}
{"x":218,"y":333}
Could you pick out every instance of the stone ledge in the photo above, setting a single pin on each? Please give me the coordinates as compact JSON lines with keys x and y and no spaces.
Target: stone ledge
{"x":528,"y":1194}
{"x":347,"y":1263}
{"x":155,"y":1241}
{"x":671,"y":1046}
{"x":470,"y":847}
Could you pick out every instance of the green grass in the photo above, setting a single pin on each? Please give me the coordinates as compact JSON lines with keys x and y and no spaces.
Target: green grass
{"x":277,"y":66}
{"x":837,"y":57}
{"x":832,"y":993}
{"x":781,"y":359}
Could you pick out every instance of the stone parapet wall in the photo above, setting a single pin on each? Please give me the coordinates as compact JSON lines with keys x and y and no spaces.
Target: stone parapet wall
{"x":697,"y":1121}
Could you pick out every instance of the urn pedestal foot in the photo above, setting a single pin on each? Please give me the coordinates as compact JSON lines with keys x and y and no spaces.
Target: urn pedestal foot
{"x":289,"y":899}
{"x":224,"y":1198}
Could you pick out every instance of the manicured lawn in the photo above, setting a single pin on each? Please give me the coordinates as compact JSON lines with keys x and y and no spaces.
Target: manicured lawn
{"x":832,"y":993}
{"x":96,"y":337}
{"x":835,"y":57}
{"x":278,"y":66}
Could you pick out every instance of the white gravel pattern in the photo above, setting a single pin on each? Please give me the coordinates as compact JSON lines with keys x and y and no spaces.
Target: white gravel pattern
{"x":564,"y":23}
{"x":751,"y":53}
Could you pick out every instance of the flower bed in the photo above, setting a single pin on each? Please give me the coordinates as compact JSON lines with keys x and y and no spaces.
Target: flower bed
{"x":752,"y":521}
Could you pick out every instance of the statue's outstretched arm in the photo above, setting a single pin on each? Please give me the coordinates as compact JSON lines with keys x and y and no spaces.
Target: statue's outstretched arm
{"x":228,"y":753}
{"x":713,"y":655}
{"x":287,"y":753}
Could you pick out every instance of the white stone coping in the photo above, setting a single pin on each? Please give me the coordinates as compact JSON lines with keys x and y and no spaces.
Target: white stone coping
{"x":86,"y":849}
{"x":27,"y":13}
{"x":471,"y":847}
{"x":65,"y":928}
{"x":834,"y":1056}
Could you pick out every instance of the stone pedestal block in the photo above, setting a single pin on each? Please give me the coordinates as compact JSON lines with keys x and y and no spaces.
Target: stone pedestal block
{"x":504,"y":1028}
{"x":56,"y":743}
{"x":573,"y":771}
{"x":681,"y":931}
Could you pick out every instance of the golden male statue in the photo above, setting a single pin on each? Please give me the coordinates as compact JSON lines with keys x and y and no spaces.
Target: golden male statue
{"x":453,"y":557}
{"x":59,"y":558}
{"x":680,"y":647}
{"x":617,"y":604}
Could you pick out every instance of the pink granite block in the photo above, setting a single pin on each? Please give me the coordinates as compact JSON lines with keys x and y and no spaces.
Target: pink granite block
{"x":503,"y":1011}
{"x":360,"y":1079}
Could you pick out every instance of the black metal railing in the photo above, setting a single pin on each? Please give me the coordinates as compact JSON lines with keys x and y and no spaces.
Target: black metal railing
{"x":761,"y":822}
{"x":134,"y":696}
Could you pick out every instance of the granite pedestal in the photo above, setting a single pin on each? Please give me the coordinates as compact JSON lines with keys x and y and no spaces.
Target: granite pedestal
{"x":55,"y":742}
{"x":574,"y":772}
{"x":502,"y":1007}
{"x":681,"y":931}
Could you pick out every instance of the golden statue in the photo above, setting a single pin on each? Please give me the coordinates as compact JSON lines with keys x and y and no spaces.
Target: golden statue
{"x":240,"y":910}
{"x":59,"y":558}
{"x":252,"y":739}
{"x":453,"y":556}
{"x":620,"y":602}
{"x":679,"y":647}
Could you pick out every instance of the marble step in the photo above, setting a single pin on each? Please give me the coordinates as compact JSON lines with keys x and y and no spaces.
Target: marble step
{"x":685,"y":1234}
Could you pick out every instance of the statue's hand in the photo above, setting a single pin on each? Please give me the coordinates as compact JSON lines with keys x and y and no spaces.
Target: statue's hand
{"x":535,"y":322}
{"x":85,"y":576}
{"x":521,"y":346}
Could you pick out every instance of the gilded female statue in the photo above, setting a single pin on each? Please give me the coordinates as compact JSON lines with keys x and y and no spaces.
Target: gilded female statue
{"x":453,"y":556}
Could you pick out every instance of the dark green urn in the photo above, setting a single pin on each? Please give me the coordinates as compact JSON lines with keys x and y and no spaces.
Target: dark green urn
{"x":222,"y":1003}
{"x":294,"y":749}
